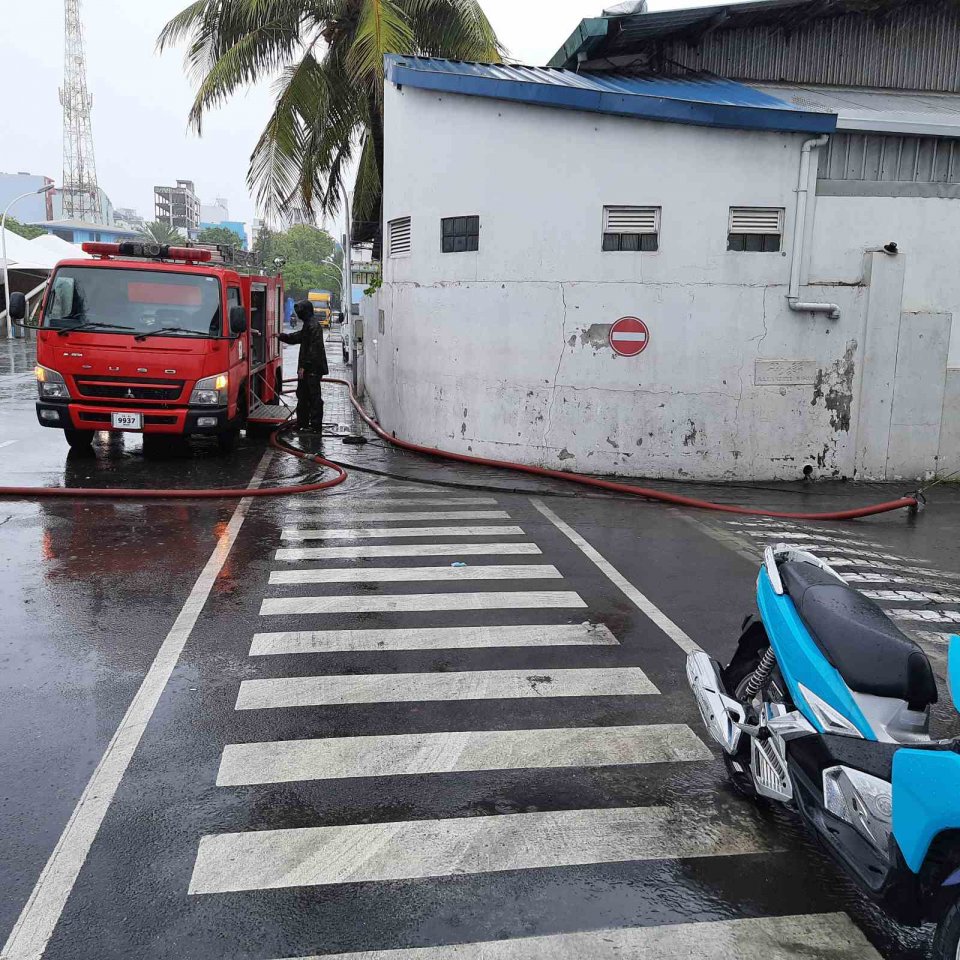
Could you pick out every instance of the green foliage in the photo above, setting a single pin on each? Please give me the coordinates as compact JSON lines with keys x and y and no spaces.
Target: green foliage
{"x":24,"y":230}
{"x":328,"y":55}
{"x":304,"y":248}
{"x":220,"y":235}
{"x":162,"y":233}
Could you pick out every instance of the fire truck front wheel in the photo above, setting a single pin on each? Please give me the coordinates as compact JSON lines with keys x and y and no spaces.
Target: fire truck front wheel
{"x":79,"y":439}
{"x":227,"y":439}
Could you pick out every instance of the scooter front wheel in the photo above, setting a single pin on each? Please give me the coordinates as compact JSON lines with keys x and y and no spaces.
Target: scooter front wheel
{"x":946,"y":943}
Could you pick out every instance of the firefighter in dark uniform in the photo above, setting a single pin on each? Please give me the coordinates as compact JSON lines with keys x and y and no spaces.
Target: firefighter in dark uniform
{"x":311,"y":367}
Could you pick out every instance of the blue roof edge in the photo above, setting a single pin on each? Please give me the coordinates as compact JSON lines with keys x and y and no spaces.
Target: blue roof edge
{"x":641,"y":106}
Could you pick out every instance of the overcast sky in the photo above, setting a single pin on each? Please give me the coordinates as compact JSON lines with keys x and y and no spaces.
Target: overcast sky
{"x":141,"y":99}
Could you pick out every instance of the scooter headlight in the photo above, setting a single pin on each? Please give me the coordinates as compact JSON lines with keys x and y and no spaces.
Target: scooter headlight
{"x":211,"y":391}
{"x":50,"y":384}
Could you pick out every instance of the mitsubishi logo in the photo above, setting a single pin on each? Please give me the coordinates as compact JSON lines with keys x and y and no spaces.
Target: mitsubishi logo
{"x":130,"y":395}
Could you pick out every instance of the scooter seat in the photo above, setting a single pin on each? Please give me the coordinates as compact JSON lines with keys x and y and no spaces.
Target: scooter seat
{"x":865,"y":646}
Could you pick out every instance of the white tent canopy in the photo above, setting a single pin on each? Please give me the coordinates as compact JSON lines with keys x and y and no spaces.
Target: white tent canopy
{"x":60,"y":248}
{"x":23,"y":255}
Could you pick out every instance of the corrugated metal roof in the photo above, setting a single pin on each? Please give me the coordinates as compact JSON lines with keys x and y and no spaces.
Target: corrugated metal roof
{"x":625,"y":30}
{"x":877,"y":111}
{"x":707,"y":101}
{"x":643,"y":26}
{"x":899,"y":44}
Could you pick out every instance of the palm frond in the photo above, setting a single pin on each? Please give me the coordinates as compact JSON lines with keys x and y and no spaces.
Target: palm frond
{"x":382,"y":28}
{"x":456,"y":29}
{"x":180,"y":26}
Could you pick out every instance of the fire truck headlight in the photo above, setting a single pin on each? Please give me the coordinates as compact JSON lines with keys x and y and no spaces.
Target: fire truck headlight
{"x":50,"y":384}
{"x":211,"y":391}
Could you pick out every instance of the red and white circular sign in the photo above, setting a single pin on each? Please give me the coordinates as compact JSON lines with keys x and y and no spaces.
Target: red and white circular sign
{"x":629,"y":336}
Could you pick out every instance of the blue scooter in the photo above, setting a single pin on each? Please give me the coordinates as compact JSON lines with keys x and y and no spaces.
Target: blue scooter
{"x":825,"y":706}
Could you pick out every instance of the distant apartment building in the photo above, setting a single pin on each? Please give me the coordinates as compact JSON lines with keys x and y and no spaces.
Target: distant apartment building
{"x":128,"y":218}
{"x":35,"y":207}
{"x":365,"y":273}
{"x":217,"y":214}
{"x":178,"y":206}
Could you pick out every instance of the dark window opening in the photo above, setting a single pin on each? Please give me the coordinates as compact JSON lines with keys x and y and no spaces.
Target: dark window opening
{"x":645,"y":242}
{"x":460,"y":234}
{"x":754,"y":242}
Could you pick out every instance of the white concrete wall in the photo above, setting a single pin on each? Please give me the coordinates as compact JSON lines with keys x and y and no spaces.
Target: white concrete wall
{"x":504,"y":352}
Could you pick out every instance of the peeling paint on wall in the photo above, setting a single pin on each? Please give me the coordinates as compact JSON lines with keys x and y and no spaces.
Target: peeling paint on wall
{"x":597,"y":335}
{"x":834,"y":386}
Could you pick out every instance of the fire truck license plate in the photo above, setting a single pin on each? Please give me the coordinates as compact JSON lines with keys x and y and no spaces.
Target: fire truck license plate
{"x":127,"y":421}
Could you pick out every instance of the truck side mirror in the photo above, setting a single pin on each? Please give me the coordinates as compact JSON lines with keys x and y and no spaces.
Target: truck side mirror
{"x":18,"y":306}
{"x":238,"y":320}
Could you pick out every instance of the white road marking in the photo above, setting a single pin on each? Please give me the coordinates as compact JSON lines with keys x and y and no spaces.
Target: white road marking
{"x":466,"y":685}
{"x":513,"y":571}
{"x":432,"y":638}
{"x":332,"y":758}
{"x":899,"y":567}
{"x":417,"y":602}
{"x":805,"y":538}
{"x":298,"y":554}
{"x":620,"y":581}
{"x":351,"y":517}
{"x":874,"y":578}
{"x":773,"y":938}
{"x":910,"y":596}
{"x":368,"y":503}
{"x":858,"y":553}
{"x":426,"y":491}
{"x":39,"y":916}
{"x":935,"y":637}
{"x":926,"y":616}
{"x":315,"y":856}
{"x":291,"y":533}
{"x":7,"y":443}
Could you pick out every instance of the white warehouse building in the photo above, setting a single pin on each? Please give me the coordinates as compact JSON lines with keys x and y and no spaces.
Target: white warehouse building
{"x":789,"y":256}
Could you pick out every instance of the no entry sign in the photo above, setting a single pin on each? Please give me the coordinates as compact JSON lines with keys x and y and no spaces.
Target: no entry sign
{"x":629,"y":336}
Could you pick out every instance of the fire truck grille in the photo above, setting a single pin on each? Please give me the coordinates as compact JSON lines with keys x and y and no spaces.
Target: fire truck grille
{"x":104,"y":388}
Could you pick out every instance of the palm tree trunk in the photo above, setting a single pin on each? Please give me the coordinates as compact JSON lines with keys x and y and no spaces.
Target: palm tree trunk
{"x":376,"y":132}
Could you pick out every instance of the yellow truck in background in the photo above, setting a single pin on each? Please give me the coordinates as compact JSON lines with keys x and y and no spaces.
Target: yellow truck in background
{"x":321,"y":300}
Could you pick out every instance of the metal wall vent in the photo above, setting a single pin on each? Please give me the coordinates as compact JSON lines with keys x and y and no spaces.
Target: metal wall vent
{"x":766,"y":220}
{"x":631,"y":219}
{"x":399,"y":237}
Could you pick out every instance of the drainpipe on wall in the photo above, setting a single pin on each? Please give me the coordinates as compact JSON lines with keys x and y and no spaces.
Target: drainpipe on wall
{"x":832,"y":310}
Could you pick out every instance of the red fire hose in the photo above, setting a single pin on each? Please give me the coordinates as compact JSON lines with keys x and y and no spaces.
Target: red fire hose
{"x":647,"y":492}
{"x":221,"y":493}
{"x":910,"y":502}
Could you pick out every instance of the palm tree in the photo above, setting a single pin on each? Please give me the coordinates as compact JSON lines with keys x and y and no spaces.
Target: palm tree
{"x":161,"y":233}
{"x":329,"y":95}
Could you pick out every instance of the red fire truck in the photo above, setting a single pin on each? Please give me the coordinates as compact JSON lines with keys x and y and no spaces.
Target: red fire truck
{"x":166,"y":341}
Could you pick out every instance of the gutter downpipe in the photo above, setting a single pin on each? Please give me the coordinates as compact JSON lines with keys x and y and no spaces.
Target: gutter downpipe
{"x":832,"y":310}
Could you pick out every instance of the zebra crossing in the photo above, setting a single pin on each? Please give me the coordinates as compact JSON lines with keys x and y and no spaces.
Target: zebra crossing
{"x":344,"y":599}
{"x":923,"y":595}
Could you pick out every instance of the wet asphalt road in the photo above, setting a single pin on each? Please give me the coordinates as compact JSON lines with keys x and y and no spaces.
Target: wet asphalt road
{"x":92,"y":590}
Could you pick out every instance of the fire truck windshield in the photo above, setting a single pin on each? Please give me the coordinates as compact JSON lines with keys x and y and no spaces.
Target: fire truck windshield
{"x":141,"y":302}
